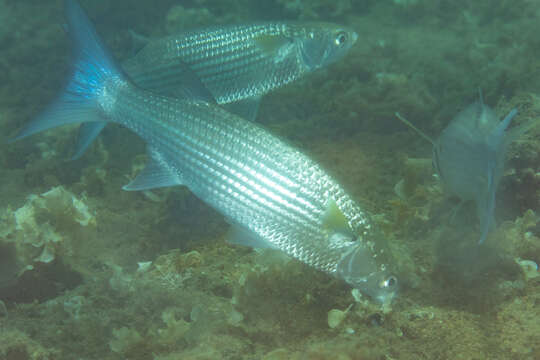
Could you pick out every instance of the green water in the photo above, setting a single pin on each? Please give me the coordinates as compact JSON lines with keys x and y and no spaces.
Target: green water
{"x":124,"y":275}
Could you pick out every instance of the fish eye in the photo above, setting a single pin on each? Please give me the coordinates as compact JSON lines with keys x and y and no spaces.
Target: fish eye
{"x":341,"y":38}
{"x":389,"y":282}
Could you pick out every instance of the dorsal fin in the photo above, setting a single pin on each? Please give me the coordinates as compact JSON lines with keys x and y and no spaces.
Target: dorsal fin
{"x":175,"y":78}
{"x":480,"y":96}
{"x":484,"y":113}
{"x":418,"y":131}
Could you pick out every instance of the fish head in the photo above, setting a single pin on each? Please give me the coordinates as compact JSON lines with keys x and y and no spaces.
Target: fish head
{"x":365,"y":268}
{"x":321,"y":44}
{"x":365,"y":259}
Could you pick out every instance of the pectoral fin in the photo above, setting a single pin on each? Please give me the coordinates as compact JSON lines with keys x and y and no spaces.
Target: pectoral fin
{"x":334,"y":219}
{"x":272,"y":45}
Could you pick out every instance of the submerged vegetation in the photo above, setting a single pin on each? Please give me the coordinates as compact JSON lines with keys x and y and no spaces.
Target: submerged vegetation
{"x":88,"y":271}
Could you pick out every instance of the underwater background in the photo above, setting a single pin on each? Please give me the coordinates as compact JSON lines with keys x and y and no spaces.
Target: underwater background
{"x":88,"y":271}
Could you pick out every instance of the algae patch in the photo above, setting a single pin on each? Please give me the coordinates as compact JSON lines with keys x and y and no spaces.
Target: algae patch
{"x":44,"y":226}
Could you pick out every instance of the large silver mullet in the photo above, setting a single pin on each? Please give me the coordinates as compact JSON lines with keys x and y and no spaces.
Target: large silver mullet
{"x":271,"y":193}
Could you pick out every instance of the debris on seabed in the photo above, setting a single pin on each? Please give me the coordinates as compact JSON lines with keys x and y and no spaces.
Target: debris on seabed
{"x":336,"y":317}
{"x":529,"y":267}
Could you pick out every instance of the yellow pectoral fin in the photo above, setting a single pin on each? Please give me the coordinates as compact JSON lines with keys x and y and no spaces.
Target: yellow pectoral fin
{"x":271,"y":44}
{"x":333,"y":218}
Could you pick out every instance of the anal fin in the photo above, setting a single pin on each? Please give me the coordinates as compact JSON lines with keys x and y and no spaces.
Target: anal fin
{"x":157,"y":173}
{"x":238,"y":235}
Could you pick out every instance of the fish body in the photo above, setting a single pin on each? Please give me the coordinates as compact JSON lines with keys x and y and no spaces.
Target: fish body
{"x":270,"y":192}
{"x":465,"y":149}
{"x":469,"y":157}
{"x":237,"y":64}
{"x":240,"y":61}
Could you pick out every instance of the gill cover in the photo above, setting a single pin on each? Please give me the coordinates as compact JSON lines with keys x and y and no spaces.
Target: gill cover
{"x":362,"y":264}
{"x":359,"y":268}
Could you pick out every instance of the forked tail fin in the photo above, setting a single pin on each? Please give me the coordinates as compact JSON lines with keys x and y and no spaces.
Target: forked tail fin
{"x":93,"y":67}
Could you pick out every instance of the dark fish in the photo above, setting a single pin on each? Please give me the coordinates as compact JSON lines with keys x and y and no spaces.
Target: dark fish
{"x":469,"y":157}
